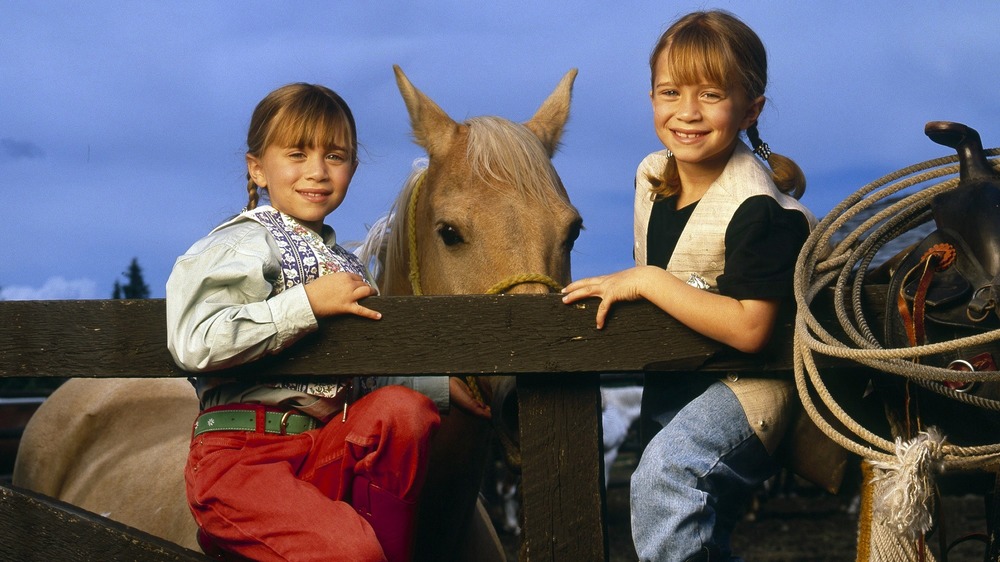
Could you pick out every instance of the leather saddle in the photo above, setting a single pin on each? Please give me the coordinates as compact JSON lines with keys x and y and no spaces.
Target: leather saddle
{"x":948,"y":285}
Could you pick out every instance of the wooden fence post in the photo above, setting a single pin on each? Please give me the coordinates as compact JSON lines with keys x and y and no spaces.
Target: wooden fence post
{"x":562,"y":469}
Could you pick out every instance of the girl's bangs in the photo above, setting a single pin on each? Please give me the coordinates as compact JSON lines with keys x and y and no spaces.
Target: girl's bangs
{"x":326,"y":127}
{"x":696,"y":60}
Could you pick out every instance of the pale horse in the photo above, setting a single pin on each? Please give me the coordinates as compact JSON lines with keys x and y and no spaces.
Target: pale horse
{"x":488,"y":213}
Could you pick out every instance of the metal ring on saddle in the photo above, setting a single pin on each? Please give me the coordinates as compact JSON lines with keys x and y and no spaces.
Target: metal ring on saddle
{"x":990,"y":305}
{"x":965,"y":367}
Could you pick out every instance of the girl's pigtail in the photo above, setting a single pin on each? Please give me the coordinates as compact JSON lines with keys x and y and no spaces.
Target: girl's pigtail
{"x":667,"y":182}
{"x":252,"y":193}
{"x":787,"y":175}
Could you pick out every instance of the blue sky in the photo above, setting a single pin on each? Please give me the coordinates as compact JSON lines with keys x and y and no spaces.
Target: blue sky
{"x":122,"y":124}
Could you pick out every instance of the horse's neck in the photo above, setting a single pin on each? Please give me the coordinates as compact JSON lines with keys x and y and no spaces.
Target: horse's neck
{"x":395,"y":239}
{"x":397,"y":284}
{"x":395,"y":276}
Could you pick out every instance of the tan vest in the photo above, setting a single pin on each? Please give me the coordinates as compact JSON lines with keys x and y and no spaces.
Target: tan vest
{"x":770,"y":404}
{"x":702,"y":246}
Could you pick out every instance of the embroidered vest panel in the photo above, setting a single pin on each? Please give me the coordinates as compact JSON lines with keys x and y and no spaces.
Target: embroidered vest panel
{"x":305,"y":256}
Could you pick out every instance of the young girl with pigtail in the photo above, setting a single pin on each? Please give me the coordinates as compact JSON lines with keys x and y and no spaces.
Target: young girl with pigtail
{"x":717,"y":234}
{"x":327,"y":468}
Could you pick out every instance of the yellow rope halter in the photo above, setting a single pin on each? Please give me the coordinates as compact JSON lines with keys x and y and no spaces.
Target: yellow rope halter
{"x":411,"y":226}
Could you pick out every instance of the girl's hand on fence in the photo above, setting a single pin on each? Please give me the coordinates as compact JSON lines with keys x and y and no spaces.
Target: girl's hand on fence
{"x":339,"y":293}
{"x":461,"y":396}
{"x":622,"y":286}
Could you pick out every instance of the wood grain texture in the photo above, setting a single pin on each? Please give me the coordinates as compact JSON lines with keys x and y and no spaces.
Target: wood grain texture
{"x":554,"y":349}
{"x":40,"y":528}
{"x":560,"y":438}
{"x":503,"y":334}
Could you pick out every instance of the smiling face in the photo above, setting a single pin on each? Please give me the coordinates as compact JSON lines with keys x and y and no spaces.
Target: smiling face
{"x":302,"y":147}
{"x":307,"y":183}
{"x":708,"y":74}
{"x":699,"y":120}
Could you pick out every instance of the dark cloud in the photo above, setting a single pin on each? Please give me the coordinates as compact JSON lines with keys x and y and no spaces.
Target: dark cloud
{"x":11,"y":149}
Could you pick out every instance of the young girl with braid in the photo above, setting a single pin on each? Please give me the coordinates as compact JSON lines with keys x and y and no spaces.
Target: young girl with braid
{"x":298,"y":469}
{"x":717,"y":234}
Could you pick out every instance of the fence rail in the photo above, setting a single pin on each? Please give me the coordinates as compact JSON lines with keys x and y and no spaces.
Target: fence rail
{"x":553,"y":349}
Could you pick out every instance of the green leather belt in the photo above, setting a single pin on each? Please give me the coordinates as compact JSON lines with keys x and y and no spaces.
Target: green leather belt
{"x":282,"y":423}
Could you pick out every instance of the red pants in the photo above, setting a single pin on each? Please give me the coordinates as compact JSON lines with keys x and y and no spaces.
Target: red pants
{"x":285,"y":497}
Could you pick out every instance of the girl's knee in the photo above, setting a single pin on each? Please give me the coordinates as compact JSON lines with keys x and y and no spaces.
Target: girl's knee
{"x":408,"y":410}
{"x":666,"y":469}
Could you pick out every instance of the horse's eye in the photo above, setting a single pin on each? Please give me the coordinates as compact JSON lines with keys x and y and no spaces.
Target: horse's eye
{"x":449,"y":235}
{"x":572,"y":234}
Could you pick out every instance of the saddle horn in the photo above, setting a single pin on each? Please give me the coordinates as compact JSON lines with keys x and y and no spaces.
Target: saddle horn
{"x":972,"y":161}
{"x":971,"y":211}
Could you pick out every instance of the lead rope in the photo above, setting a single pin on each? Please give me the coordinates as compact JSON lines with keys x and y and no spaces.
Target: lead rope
{"x":511,"y":453}
{"x":890,"y":466}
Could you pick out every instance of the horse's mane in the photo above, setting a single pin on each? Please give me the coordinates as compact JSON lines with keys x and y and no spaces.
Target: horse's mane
{"x":509,"y":153}
{"x":381,"y":250}
{"x":500,"y":152}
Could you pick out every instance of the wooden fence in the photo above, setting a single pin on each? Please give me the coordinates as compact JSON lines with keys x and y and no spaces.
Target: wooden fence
{"x":553,"y":349}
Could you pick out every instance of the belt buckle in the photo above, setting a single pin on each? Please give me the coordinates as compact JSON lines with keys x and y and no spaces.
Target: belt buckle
{"x":283,"y":424}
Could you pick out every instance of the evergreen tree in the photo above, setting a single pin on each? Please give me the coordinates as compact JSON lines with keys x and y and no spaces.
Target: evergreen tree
{"x":136,"y":287}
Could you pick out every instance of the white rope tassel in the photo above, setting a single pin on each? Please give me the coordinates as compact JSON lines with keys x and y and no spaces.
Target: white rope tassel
{"x":906,"y":486}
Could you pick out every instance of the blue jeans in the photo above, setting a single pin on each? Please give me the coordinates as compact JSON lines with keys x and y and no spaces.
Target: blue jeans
{"x":695,"y":478}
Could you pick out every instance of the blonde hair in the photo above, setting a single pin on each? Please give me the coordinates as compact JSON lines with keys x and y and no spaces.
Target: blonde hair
{"x":718,"y":47}
{"x":303,"y":115}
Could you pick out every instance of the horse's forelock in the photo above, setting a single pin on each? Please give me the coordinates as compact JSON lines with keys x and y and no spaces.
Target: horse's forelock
{"x":509,"y":153}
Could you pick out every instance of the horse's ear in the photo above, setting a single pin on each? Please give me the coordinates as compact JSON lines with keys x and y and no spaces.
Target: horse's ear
{"x":549,"y":120}
{"x":432,"y":128}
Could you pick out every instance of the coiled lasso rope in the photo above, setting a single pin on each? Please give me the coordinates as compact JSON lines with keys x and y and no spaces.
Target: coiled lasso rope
{"x":901,"y":469}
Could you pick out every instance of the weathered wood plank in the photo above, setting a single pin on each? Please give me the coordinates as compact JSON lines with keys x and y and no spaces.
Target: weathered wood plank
{"x":553,"y":348}
{"x":35,"y":527}
{"x":564,"y":506}
{"x":503,"y":334}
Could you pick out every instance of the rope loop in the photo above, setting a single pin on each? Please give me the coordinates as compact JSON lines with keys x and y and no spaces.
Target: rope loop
{"x":838,"y":253}
{"x":411,"y":231}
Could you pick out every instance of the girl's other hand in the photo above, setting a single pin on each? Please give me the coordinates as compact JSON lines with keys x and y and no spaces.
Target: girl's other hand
{"x":461,"y":396}
{"x":339,"y":293}
{"x":622,"y":286}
